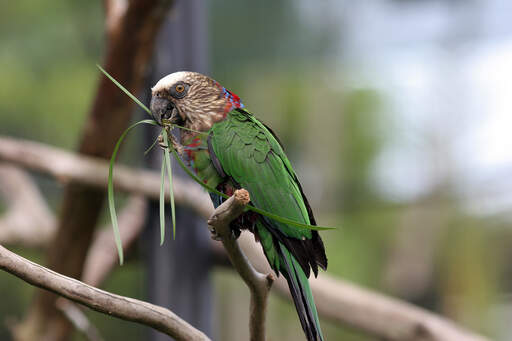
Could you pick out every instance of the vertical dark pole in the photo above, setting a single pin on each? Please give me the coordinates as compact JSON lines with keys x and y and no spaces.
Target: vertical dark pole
{"x":178,"y":273}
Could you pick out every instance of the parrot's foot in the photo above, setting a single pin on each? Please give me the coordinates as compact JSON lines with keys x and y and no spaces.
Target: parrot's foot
{"x":175,"y":144}
{"x":161,"y":142}
{"x":235,"y":233}
{"x":214,"y":234}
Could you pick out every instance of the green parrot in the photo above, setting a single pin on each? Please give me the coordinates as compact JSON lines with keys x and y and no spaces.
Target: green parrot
{"x":234,"y":151}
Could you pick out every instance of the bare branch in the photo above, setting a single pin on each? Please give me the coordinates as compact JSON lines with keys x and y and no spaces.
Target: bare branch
{"x":77,"y":317}
{"x":337,"y":300}
{"x":258,"y":284}
{"x":373,"y":313}
{"x":114,"y":12}
{"x":67,"y":167}
{"x":119,"y":306}
{"x":25,"y":206}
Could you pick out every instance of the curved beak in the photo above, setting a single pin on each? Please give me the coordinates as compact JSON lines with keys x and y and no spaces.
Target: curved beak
{"x":163,"y":109}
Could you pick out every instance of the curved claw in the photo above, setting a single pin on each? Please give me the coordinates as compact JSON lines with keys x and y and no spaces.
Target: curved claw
{"x":174,"y":143}
{"x":214,"y":234}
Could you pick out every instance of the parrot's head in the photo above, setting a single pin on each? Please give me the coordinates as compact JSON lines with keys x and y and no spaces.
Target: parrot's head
{"x":192,"y":100}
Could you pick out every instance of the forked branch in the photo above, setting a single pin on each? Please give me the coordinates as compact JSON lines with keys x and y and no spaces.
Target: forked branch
{"x":337,"y":300}
{"x":258,"y":283}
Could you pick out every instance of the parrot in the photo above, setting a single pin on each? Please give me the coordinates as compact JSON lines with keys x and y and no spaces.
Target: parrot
{"x":228,"y":148}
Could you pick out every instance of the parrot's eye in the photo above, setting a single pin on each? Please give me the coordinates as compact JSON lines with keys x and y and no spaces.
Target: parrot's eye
{"x":179,"y":90}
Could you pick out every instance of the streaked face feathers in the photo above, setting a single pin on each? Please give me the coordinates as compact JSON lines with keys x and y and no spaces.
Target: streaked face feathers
{"x":192,"y":99}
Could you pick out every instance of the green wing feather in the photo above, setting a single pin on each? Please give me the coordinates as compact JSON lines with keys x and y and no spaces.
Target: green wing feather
{"x":251,"y":155}
{"x":253,"y":159}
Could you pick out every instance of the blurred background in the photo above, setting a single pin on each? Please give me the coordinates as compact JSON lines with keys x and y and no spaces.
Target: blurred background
{"x":394,"y":113}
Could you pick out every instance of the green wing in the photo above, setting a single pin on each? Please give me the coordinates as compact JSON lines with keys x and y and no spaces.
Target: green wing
{"x":249,"y":154}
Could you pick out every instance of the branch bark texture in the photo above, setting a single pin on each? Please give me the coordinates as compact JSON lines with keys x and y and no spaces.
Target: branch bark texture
{"x":119,"y":306}
{"x":258,"y":283}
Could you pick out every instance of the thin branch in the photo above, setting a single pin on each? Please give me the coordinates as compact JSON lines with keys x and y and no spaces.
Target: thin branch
{"x":259,"y":284}
{"x":78,"y":318}
{"x":27,"y":219}
{"x":125,"y":308}
{"x":67,"y":167}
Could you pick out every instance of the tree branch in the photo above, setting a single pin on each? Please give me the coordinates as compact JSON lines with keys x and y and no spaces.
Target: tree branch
{"x":25,"y":206}
{"x":119,"y":306}
{"x":258,"y":284}
{"x":373,"y":313}
{"x":77,"y":317}
{"x":91,"y":171}
{"x":336,"y":299}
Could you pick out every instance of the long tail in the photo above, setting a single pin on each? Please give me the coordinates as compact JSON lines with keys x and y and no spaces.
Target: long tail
{"x":301,"y":293}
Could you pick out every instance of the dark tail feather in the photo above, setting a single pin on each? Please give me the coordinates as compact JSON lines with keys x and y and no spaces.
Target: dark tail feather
{"x":301,"y":293}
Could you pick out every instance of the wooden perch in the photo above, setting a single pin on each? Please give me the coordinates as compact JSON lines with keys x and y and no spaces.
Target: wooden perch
{"x":105,"y":302}
{"x":337,"y":300}
{"x":258,"y":283}
{"x":67,"y":167}
{"x":373,"y":313}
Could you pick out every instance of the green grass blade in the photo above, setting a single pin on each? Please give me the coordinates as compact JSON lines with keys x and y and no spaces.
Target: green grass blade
{"x":110,"y":188}
{"x":249,"y":207}
{"x":162,"y":204}
{"x":167,"y":123}
{"x":167,"y":157}
{"x":151,"y":147}
{"x":139,"y":103}
{"x":128,"y":93}
{"x":288,"y":221}
{"x":191,"y":130}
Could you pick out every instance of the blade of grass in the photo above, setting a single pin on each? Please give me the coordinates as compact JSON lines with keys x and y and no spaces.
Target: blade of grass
{"x":162,"y":204}
{"x":110,"y":187}
{"x":249,"y":207}
{"x":139,"y":103}
{"x":167,"y":157}
{"x":151,"y":147}
{"x":191,"y":130}
{"x":167,"y":123}
{"x":128,"y":93}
